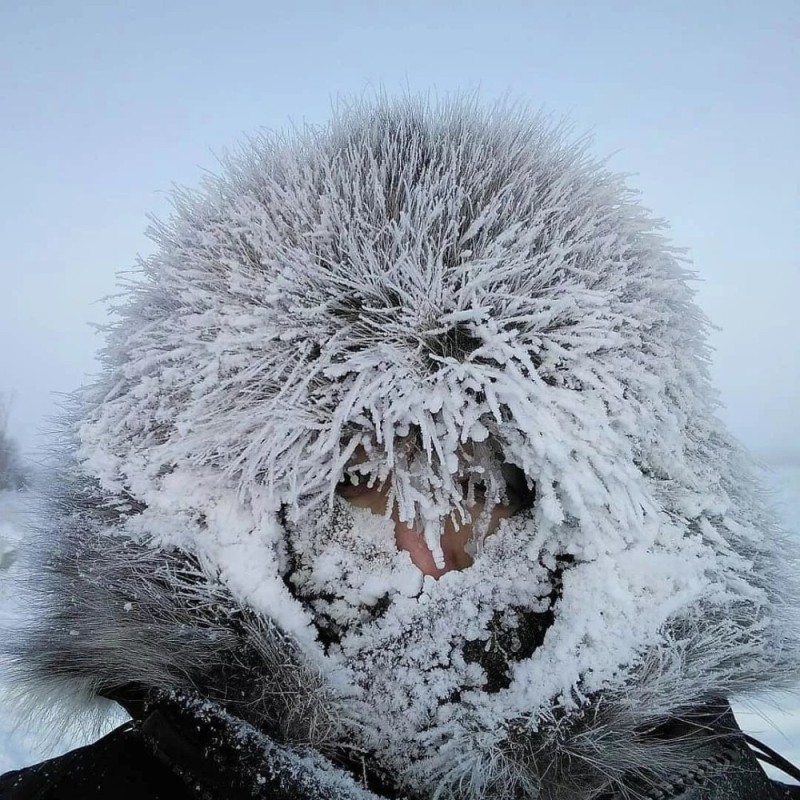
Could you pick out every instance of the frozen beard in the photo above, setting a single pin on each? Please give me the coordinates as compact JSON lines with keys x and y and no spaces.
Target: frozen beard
{"x":423,"y":662}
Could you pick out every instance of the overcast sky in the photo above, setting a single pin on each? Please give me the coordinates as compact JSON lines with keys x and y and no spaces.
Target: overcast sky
{"x":106,"y":105}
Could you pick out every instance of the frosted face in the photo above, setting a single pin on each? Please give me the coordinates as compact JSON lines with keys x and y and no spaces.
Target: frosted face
{"x":409,"y":651}
{"x":455,"y":536}
{"x":457,"y":657}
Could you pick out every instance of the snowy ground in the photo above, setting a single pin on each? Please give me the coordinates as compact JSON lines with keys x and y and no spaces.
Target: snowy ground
{"x":776,"y":720}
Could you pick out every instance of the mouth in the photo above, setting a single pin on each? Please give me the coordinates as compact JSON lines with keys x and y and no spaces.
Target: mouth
{"x":514,"y":634}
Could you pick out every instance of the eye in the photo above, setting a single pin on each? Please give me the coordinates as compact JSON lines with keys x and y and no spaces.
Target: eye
{"x":520,"y":496}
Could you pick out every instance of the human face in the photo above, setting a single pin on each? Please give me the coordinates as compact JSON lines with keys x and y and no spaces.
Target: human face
{"x":410,"y":538}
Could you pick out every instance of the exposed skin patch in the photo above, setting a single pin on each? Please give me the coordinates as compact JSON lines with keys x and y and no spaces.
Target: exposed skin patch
{"x":454,"y":538}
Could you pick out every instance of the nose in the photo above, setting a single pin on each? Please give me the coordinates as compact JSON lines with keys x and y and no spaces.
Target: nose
{"x":453,"y":541}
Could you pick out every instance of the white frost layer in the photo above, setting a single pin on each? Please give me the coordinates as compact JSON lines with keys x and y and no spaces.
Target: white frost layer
{"x":775,"y":720}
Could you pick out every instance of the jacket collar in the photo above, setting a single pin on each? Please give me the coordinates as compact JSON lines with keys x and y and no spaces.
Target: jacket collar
{"x":220,"y":755}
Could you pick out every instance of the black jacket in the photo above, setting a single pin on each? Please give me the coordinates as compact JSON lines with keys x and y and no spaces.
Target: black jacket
{"x":190,"y":750}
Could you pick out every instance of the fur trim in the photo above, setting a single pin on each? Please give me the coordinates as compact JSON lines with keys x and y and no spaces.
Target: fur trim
{"x":450,"y":290}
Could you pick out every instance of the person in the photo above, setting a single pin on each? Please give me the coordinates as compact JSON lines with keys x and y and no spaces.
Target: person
{"x":403,"y":479}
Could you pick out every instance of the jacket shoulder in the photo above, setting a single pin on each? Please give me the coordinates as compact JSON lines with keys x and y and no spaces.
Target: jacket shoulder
{"x":120,"y":766}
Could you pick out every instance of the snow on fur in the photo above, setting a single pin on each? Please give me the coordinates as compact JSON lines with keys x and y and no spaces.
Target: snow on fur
{"x":445,"y":290}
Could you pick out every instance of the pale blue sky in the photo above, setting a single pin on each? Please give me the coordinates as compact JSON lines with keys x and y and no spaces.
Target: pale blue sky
{"x":105,"y":105}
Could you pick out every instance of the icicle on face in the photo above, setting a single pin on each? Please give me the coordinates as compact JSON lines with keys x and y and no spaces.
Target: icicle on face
{"x":435,"y":542}
{"x":367,"y":548}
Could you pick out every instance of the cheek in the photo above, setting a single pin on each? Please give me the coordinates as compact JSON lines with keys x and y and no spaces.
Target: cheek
{"x":364,"y":497}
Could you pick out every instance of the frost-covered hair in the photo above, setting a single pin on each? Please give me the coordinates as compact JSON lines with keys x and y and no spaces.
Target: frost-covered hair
{"x":447,"y":290}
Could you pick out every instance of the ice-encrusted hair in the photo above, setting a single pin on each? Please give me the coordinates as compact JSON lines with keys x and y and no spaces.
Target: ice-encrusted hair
{"x":449,"y":288}
{"x":457,"y":274}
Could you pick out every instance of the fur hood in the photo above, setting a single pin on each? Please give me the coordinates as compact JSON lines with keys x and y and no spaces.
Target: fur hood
{"x":447,"y":290}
